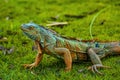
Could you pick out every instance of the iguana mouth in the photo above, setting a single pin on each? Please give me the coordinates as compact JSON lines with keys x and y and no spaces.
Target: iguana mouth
{"x":23,"y":29}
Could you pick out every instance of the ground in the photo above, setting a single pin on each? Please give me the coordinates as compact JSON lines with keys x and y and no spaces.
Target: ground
{"x":14,"y":13}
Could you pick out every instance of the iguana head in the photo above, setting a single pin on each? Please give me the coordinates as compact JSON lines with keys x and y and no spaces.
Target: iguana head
{"x":32,"y":30}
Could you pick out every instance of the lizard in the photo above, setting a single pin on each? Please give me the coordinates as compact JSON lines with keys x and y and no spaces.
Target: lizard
{"x":70,"y":50}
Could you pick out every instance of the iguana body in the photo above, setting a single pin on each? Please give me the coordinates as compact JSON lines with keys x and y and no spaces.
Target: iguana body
{"x":68,"y":49}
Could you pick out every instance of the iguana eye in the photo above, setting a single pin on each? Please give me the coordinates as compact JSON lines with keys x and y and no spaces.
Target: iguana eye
{"x":31,"y":28}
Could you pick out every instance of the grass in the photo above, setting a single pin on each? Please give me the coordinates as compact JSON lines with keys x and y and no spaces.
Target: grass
{"x":14,"y":13}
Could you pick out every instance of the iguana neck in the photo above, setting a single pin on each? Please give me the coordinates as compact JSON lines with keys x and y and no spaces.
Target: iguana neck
{"x":46,"y":39}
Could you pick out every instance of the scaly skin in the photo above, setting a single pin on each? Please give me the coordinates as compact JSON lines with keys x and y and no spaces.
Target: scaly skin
{"x":69,"y":50}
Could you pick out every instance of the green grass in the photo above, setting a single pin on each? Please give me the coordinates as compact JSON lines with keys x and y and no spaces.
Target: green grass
{"x":14,"y":13}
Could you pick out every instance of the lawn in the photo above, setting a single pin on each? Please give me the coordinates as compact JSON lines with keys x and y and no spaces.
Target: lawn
{"x":13,"y":13}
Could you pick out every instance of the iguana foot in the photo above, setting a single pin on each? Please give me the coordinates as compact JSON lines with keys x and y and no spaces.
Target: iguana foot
{"x":30,"y":66}
{"x":67,"y":69}
{"x":94,"y":67}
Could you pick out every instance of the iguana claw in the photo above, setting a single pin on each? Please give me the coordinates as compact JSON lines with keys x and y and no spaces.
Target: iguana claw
{"x":30,"y":66}
{"x":95,"y":66}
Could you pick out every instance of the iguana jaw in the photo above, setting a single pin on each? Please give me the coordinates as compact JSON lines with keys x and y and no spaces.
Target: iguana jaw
{"x":24,"y":29}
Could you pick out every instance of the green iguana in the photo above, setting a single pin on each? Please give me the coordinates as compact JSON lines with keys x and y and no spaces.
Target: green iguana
{"x":69,"y":50}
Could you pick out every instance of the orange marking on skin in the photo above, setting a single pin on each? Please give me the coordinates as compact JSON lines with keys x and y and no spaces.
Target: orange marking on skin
{"x":77,"y":48}
{"x":73,"y":54}
{"x":59,"y":43}
{"x":80,"y":56}
{"x":116,"y":49}
{"x":67,"y":45}
{"x":97,"y":40}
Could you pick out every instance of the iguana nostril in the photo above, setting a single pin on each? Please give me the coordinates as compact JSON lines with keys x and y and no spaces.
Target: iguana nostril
{"x":22,"y":25}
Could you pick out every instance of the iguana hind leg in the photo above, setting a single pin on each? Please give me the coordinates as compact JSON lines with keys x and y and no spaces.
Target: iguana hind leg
{"x":67,"y":57}
{"x":115,"y":50}
{"x":37,"y":59}
{"x":96,"y":61}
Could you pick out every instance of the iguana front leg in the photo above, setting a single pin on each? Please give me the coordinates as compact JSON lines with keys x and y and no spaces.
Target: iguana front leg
{"x":37,"y":59}
{"x":67,"y":57}
{"x":96,"y":61}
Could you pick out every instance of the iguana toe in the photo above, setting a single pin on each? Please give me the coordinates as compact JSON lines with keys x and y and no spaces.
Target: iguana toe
{"x":94,"y":68}
{"x":30,"y":66}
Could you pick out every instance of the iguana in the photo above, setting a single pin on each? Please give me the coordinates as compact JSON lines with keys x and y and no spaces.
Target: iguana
{"x":68,"y":49}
